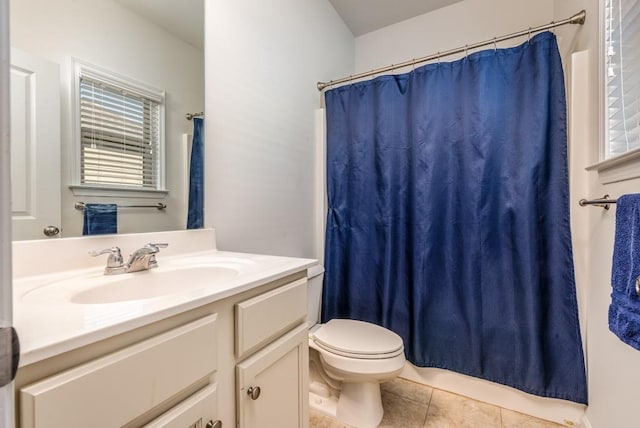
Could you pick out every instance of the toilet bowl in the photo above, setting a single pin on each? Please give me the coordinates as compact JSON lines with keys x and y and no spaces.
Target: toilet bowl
{"x":348,"y":359}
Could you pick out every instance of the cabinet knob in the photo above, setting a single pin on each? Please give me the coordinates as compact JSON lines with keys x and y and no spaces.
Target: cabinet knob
{"x":253,"y":392}
{"x":212,"y":424}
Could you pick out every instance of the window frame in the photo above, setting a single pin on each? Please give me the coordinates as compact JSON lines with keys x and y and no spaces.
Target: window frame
{"x":81,"y":68}
{"x":625,"y":166}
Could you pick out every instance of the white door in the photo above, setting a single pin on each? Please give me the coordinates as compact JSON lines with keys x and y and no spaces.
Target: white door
{"x":35,"y":146}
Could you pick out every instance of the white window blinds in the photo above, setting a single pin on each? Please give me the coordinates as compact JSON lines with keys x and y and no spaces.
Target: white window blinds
{"x":622,"y":93}
{"x":120,"y":135}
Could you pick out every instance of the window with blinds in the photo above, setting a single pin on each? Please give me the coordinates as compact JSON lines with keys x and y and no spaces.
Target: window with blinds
{"x":120,"y":133}
{"x":622,"y":76}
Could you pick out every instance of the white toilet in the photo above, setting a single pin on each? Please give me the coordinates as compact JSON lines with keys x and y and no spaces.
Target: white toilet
{"x":348,"y":360}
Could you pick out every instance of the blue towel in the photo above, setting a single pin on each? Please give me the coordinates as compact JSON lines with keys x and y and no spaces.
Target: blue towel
{"x":195,"y":215}
{"x":624,"y":312}
{"x":100,"y":219}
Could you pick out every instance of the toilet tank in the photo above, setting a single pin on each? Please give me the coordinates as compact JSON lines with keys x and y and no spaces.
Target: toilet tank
{"x":314,"y":294}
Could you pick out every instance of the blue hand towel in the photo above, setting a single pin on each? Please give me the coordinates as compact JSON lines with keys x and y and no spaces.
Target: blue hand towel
{"x":195,"y":215}
{"x":624,"y":311}
{"x":100,"y":219}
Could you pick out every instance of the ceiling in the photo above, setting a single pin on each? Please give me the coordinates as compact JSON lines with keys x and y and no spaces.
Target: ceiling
{"x":364,"y":16}
{"x":184,"y":18}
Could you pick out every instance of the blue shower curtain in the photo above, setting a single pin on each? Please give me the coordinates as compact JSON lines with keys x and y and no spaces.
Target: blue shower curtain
{"x":448,"y":218}
{"x":195,"y":216}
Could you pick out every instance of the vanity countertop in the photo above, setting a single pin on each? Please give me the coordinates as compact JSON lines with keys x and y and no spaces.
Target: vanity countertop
{"x":49,"y":322}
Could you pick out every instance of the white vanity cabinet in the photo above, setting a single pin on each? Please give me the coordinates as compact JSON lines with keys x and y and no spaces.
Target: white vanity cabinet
{"x":272,"y":383}
{"x":189,"y":369}
{"x":119,"y":388}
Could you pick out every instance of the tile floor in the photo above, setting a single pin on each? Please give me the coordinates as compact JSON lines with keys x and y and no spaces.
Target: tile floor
{"x":411,"y":405}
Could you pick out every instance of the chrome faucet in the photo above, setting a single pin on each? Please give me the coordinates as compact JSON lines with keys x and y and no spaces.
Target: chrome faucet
{"x":115,"y":263}
{"x":144,"y":258}
{"x":141,"y":259}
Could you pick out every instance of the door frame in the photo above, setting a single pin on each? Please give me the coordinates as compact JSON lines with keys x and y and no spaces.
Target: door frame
{"x":7,"y":407}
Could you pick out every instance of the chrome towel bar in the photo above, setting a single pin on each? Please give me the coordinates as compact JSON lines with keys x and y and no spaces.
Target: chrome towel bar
{"x":603,"y":202}
{"x":159,"y":206}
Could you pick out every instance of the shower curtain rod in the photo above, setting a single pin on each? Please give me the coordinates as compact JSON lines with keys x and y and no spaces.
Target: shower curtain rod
{"x":578,"y":18}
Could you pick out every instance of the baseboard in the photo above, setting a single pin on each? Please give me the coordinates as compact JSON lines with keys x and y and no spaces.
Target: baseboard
{"x":584,"y":423}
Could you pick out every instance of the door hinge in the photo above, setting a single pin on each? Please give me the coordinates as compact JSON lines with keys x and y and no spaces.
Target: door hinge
{"x":9,"y":355}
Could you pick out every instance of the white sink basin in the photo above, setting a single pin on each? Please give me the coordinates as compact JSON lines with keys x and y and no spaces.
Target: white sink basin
{"x":173,"y":278}
{"x":150,"y":284}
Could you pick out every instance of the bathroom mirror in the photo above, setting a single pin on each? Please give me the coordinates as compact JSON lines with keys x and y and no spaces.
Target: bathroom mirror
{"x":158,"y":43}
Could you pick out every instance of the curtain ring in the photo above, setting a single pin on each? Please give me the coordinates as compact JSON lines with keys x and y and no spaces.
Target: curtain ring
{"x":466,"y":51}
{"x":413,"y":64}
{"x":438,"y":57}
{"x":495,"y":46}
{"x":529,"y":35}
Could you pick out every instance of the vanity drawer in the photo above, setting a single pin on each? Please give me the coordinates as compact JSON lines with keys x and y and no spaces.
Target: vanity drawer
{"x":119,"y":387}
{"x":195,"y":411}
{"x":264,"y":318}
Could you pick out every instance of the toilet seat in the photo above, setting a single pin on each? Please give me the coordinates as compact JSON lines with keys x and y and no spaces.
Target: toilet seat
{"x":358,"y":339}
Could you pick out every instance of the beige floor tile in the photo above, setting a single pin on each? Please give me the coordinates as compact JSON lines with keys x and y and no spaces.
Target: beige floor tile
{"x":448,"y":410}
{"x":407,"y":389}
{"x":407,"y":404}
{"x":512,"y":419}
{"x":402,"y":412}
{"x":318,"y":420}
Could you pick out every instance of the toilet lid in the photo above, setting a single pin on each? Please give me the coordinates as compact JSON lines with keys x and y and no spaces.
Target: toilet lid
{"x":358,"y":338}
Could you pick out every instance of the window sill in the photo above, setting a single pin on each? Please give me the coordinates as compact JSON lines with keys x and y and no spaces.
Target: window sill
{"x":110,"y":192}
{"x":619,"y":168}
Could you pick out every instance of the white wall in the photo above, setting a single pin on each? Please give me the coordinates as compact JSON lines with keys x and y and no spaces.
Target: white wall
{"x":447,"y":28}
{"x":106,"y":34}
{"x":263,"y":62}
{"x":612,"y":366}
{"x":457,"y":25}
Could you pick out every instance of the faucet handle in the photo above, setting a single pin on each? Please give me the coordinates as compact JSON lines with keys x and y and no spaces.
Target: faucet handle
{"x":115,"y":257}
{"x":156,"y":247}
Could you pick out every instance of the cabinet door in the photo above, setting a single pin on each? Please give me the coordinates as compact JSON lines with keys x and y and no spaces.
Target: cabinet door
{"x":280,"y":371}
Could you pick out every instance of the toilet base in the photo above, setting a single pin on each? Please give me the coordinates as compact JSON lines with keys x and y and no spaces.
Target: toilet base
{"x":359,"y":404}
